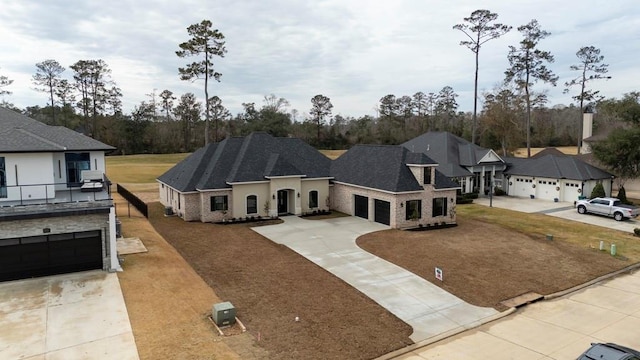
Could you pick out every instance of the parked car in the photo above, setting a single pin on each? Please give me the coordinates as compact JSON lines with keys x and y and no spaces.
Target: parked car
{"x":609,"y":351}
{"x":607,"y":206}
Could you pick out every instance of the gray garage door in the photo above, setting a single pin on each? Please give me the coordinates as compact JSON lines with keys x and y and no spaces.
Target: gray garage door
{"x":362,"y":206}
{"x":44,"y":255}
{"x":383,"y":212}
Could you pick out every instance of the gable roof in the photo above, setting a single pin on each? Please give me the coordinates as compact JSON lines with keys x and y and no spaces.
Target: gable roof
{"x":19,"y":133}
{"x":255,"y":157}
{"x":549,"y":151}
{"x":453,"y":153}
{"x":382,"y":167}
{"x":556,"y":167}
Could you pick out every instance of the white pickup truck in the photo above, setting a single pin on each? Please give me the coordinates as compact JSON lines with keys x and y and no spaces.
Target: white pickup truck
{"x":607,"y":206}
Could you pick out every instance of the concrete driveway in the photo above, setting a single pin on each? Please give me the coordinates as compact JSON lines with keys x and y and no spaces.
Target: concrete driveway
{"x":73,"y":316}
{"x":556,"y":329}
{"x":564,"y":210}
{"x":331,"y":244}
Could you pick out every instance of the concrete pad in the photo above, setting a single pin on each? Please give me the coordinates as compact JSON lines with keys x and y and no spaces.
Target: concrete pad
{"x":584,"y":318}
{"x":331,"y":244}
{"x":73,"y":316}
{"x":480,"y":347}
{"x":625,"y":332}
{"x":126,"y":246}
{"x":121,"y":347}
{"x":536,"y":335}
{"x":609,"y":298}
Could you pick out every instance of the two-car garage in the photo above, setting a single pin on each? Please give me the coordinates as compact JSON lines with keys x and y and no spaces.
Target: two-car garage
{"x":381,"y":209}
{"x":50,"y":254}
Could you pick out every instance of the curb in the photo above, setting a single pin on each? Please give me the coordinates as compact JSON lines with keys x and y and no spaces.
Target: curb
{"x":444,"y":335}
{"x":558,"y":294}
{"x":506,"y":313}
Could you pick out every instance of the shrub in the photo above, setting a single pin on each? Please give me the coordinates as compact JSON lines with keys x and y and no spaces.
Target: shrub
{"x":499,"y":192}
{"x":622,"y":196}
{"x":598,"y":191}
{"x":636,"y":231}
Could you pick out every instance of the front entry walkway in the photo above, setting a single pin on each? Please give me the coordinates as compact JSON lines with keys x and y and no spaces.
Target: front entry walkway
{"x":331,"y":244}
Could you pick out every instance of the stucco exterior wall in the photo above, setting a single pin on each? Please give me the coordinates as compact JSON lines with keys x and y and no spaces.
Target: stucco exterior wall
{"x":322,"y":187}
{"x":29,"y":169}
{"x":240,"y":193}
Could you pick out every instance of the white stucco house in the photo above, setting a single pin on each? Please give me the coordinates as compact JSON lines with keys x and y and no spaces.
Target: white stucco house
{"x":260,"y":175}
{"x":52,"y":220}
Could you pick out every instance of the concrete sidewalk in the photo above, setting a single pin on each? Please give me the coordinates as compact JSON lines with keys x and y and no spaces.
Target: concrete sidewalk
{"x":557,"y":329}
{"x":74,"y":316}
{"x":331,"y":244}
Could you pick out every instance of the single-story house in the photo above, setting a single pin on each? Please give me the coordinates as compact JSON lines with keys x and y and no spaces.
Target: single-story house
{"x":239,"y":177}
{"x":473,"y":167}
{"x":553,"y":176}
{"x":56,"y":211}
{"x":260,"y":175}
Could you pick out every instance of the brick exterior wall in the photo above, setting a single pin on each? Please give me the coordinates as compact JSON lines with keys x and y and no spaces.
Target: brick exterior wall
{"x":342,"y":199}
{"x":61,"y":225}
{"x":215,"y":216}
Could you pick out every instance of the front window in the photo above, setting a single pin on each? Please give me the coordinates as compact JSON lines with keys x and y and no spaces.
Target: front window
{"x":76,"y":163}
{"x":252,"y":204}
{"x":219,"y":203}
{"x":414,"y":210}
{"x":439,"y":207}
{"x":3,"y":179}
{"x":313,"y":199}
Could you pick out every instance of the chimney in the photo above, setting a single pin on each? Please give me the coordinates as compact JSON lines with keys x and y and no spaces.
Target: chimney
{"x":587,"y":130}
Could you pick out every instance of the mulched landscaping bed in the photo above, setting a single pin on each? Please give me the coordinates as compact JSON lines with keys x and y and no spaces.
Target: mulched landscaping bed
{"x":485,"y":264}
{"x":270,"y":285}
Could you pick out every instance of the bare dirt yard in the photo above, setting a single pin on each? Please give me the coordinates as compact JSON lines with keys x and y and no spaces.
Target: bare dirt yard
{"x":484,"y":263}
{"x":270,"y":285}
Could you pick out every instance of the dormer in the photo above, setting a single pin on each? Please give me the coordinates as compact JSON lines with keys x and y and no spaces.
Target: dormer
{"x":422,"y":167}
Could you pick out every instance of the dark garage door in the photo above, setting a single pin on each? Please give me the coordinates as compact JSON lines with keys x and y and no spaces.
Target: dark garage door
{"x":383,"y":212}
{"x":362,"y":206}
{"x":50,"y":254}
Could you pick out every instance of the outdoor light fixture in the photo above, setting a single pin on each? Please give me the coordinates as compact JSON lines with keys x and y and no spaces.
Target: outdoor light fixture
{"x":273,"y":196}
{"x":298,"y":194}
{"x":401,"y":204}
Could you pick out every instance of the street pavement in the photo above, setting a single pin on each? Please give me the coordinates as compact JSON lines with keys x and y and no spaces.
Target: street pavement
{"x":73,"y":316}
{"x":556,"y":329}
{"x":431,"y":311}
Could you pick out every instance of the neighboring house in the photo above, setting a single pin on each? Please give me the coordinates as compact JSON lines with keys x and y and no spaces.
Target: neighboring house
{"x":239,"y":177}
{"x":551,"y":176}
{"x":392,"y":186}
{"x":52,"y":220}
{"x":470,"y":165}
{"x":260,"y":175}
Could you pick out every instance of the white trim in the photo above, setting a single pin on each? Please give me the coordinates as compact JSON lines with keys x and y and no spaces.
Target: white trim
{"x":285,"y":177}
{"x":248,"y":182}
{"x":422,"y":165}
{"x":212,"y":190}
{"x":319,"y":178}
{"x":455,"y":188}
{"x":490,"y":152}
{"x":380,"y":190}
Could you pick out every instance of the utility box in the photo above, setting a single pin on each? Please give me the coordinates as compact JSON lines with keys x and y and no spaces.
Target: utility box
{"x":224,"y":314}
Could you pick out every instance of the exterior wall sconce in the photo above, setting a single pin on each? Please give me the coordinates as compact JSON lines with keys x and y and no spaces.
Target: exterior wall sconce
{"x":298,"y":194}
{"x":273,"y":196}
{"x":401,"y":204}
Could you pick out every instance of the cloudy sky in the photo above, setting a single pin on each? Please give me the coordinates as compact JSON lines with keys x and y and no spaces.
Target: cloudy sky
{"x":353,"y":51}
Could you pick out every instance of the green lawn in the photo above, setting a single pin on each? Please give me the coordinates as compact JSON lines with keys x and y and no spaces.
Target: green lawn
{"x":140,"y":169}
{"x":539,"y":225}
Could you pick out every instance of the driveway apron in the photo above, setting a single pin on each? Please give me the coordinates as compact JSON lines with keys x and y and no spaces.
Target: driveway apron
{"x":331,"y":244}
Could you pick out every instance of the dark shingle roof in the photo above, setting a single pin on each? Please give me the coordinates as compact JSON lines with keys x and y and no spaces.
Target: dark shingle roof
{"x":453,"y":153}
{"x":381,"y":167}
{"x":556,"y":167}
{"x":254,"y":157}
{"x":19,"y":133}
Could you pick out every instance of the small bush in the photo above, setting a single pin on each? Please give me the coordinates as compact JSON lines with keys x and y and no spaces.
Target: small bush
{"x":473,"y":195}
{"x":499,"y":192}
{"x":622,"y":196}
{"x":598,"y":191}
{"x":636,"y":231}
